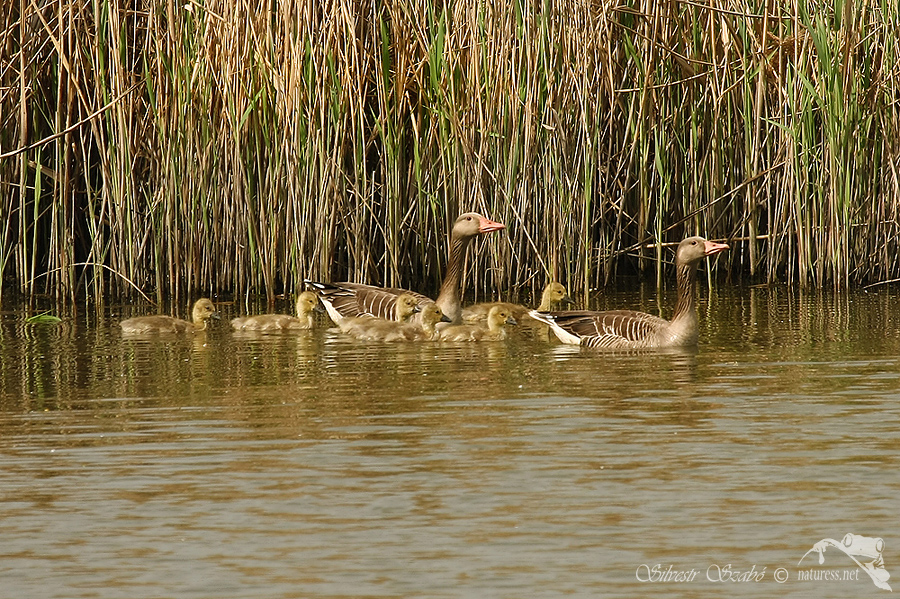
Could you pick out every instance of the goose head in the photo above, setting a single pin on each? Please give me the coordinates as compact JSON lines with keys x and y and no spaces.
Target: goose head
{"x":693,"y":249}
{"x":470,"y":224}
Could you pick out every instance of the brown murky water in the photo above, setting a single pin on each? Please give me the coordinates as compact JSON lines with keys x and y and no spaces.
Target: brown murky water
{"x":311,"y":465}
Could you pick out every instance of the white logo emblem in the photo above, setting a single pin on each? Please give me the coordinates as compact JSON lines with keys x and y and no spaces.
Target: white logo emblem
{"x":865,"y":551}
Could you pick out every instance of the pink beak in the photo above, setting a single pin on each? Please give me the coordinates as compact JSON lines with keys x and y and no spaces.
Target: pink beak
{"x":486,"y":225}
{"x":712,"y":248}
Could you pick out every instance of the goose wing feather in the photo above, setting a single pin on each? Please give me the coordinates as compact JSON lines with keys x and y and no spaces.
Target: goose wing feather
{"x":611,"y":329}
{"x":379,"y":301}
{"x":356,"y":299}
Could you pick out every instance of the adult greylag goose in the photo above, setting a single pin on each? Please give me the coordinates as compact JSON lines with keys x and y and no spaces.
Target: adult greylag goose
{"x":495,"y":330}
{"x":372,"y":328}
{"x":552,"y":297}
{"x":307,"y":303}
{"x":379,"y":301}
{"x":202,"y":311}
{"x":625,"y":329}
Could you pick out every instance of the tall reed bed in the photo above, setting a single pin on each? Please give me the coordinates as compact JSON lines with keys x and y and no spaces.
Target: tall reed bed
{"x":208,"y":146}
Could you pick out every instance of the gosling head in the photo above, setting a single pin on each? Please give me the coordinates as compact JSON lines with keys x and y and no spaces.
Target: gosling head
{"x":555,"y":294}
{"x":307,"y":303}
{"x":202,"y":311}
{"x":431,"y":315}
{"x":500,"y":316}
{"x":405,"y":306}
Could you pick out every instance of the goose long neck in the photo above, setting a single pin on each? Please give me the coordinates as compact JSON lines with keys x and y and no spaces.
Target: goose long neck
{"x":448,"y":297}
{"x":685,"y":280}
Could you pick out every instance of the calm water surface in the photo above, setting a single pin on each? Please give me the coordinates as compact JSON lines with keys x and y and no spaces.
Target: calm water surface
{"x":310,"y":465}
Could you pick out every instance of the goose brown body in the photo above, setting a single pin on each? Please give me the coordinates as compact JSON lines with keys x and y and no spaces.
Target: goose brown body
{"x":307,"y":303}
{"x":379,"y":301}
{"x":626,"y":329}
{"x":201,"y":312}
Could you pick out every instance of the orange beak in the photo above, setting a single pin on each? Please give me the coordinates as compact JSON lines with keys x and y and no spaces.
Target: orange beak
{"x":487,"y":225}
{"x":712,"y":248}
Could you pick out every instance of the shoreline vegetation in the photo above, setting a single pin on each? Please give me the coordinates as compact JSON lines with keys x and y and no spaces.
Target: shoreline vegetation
{"x":199,"y":147}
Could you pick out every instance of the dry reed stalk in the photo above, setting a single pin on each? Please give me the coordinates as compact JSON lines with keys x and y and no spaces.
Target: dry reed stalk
{"x":339,"y":139}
